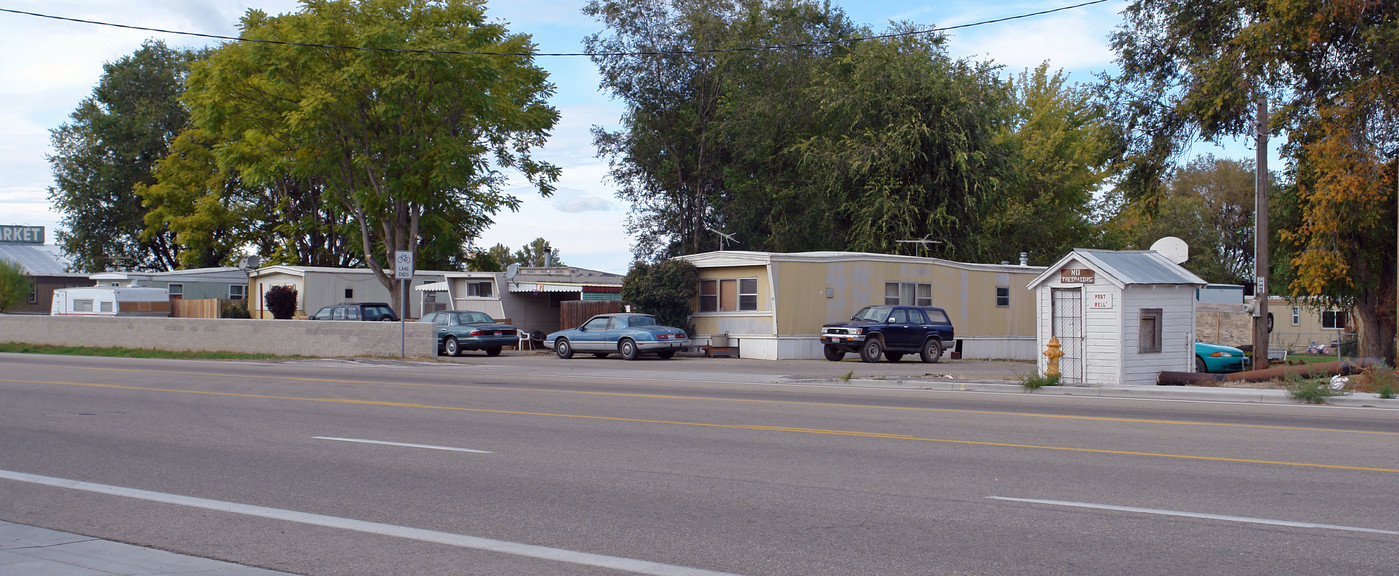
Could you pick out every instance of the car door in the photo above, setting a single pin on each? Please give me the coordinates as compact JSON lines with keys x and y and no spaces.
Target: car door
{"x":900,"y":331}
{"x":591,"y":335}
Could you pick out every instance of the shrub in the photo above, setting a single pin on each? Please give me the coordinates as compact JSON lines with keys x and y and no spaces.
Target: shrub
{"x":14,"y":285}
{"x":235,"y":310}
{"x":281,"y":301}
{"x":1310,"y":390}
{"x":1035,"y":381}
{"x":665,"y":290}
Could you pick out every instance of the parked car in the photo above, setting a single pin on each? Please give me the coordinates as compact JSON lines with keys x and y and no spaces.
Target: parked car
{"x":890,"y":331}
{"x":368,"y":311}
{"x":630,"y":335}
{"x":1219,"y":358}
{"x":462,"y":330}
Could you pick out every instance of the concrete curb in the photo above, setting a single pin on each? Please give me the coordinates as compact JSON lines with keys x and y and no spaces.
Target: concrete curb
{"x":1185,"y":393}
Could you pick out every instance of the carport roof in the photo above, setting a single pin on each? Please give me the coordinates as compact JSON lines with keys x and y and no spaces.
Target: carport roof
{"x":36,"y":259}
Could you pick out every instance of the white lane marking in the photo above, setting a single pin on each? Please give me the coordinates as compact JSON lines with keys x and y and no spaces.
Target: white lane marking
{"x":458,"y":540}
{"x":1244,"y":519}
{"x":404,"y":444}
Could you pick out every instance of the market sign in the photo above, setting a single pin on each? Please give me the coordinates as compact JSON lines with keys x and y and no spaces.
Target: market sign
{"x":11,"y":234}
{"x":1077,"y":276}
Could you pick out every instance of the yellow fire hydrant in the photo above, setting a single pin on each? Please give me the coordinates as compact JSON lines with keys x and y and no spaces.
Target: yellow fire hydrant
{"x":1053,"y":354}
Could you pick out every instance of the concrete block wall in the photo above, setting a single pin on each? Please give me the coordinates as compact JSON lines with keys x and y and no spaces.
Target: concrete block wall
{"x":282,"y":337}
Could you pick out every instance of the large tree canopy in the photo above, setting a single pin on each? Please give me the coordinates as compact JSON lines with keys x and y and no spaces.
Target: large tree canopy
{"x":406,"y":140}
{"x":108,"y":149}
{"x":831,"y":139}
{"x":1192,"y":68}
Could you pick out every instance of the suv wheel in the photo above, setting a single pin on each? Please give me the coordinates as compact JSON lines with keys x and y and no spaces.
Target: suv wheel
{"x":871,"y":350}
{"x":931,"y":351}
{"x":833,"y":353}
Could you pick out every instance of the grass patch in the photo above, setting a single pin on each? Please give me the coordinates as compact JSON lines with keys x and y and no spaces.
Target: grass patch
{"x":1379,"y":380}
{"x":1035,"y":381}
{"x":847,"y":376}
{"x":118,"y":352}
{"x":1310,"y":390}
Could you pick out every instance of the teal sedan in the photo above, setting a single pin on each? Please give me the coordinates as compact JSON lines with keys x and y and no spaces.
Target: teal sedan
{"x":460,"y":330}
{"x":1219,"y":358}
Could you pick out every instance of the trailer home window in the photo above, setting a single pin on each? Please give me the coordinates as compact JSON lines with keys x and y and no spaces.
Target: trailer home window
{"x":82,"y":305}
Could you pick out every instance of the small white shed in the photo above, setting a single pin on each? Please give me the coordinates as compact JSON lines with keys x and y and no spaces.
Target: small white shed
{"x":1122,"y":317}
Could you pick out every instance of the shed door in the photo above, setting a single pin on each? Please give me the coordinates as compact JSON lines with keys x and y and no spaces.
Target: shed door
{"x":1067,"y":326}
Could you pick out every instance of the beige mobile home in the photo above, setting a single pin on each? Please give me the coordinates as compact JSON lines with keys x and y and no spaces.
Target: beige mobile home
{"x":772,"y":305}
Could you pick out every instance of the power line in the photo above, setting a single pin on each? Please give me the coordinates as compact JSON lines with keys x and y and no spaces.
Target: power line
{"x":561,"y":54}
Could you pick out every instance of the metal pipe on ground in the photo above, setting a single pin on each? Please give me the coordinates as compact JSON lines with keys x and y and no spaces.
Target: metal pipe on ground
{"x":1343,"y":367}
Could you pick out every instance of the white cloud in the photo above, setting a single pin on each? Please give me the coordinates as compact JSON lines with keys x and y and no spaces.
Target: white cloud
{"x":578,"y":204}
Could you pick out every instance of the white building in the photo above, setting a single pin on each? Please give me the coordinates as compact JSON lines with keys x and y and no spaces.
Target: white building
{"x":1121,"y":317}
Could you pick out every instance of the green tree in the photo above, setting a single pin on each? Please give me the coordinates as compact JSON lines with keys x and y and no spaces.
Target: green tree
{"x":108,"y":149}
{"x":1195,"y":69}
{"x":14,"y":285}
{"x":1208,"y":203}
{"x":405,"y":143}
{"x":1061,"y":143}
{"x":665,"y":290}
{"x":537,"y":253}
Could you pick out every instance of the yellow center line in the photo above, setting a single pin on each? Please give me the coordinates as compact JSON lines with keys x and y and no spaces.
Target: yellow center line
{"x":758,"y":427}
{"x":739,"y":400}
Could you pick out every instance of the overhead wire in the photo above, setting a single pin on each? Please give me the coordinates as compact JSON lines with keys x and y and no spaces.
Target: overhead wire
{"x":560,"y":54}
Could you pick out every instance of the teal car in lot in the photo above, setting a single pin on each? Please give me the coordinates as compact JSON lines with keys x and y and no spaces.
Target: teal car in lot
{"x":1219,"y":358}
{"x":461,"y":330}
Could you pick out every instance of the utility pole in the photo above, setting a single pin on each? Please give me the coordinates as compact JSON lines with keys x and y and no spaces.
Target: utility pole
{"x":1260,"y":239}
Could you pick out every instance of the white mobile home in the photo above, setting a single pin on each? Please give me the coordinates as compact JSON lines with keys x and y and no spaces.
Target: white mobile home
{"x":110,"y":301}
{"x":317,"y":287}
{"x":1120,"y":316}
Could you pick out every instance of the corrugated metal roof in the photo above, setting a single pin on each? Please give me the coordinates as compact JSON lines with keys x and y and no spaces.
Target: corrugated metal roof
{"x":1139,"y":266}
{"x":36,"y":259}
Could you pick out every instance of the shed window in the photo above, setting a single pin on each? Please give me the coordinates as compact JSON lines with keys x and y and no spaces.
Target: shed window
{"x":349,"y":293}
{"x":1149,"y":339}
{"x":1333,"y":319}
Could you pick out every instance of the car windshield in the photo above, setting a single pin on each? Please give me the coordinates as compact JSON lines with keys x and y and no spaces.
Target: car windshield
{"x":637,"y":321}
{"x":872,"y":313}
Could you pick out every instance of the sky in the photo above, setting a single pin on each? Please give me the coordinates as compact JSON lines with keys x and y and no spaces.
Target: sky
{"x":47,"y":67}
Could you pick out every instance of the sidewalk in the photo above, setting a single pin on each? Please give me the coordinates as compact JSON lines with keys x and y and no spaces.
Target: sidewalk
{"x":30,"y":551}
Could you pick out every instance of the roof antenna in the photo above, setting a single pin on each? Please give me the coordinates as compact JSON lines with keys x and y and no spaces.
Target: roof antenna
{"x":723,"y":238}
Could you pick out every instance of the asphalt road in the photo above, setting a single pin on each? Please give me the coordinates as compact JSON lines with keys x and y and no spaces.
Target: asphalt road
{"x":531,"y":465}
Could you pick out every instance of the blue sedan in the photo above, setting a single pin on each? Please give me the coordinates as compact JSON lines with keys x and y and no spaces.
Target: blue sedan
{"x":1219,"y":358}
{"x":630,"y":335}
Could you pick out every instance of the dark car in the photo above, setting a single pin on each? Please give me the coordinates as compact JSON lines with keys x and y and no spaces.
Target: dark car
{"x":891,"y":331}
{"x":461,"y":330}
{"x":367,"y":311}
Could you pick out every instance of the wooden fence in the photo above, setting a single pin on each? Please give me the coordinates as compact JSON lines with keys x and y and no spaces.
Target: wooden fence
{"x":201,"y":308}
{"x":573,"y":313}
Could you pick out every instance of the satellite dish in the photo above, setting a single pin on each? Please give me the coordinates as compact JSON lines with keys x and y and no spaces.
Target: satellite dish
{"x":511,"y":271}
{"x":252,"y":261}
{"x":1174,"y":249}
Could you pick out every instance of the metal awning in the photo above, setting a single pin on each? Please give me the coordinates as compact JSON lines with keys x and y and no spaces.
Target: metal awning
{"x":532,"y":287}
{"x":432,"y":287}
